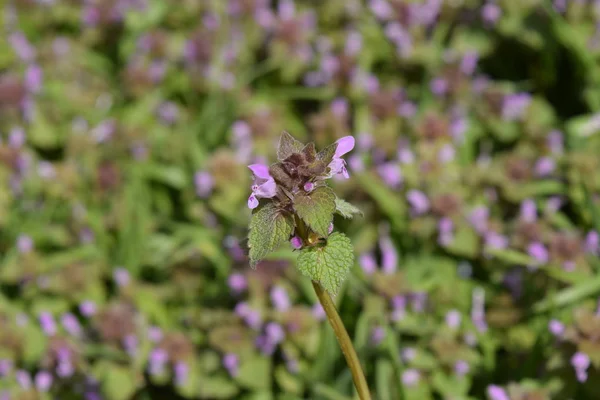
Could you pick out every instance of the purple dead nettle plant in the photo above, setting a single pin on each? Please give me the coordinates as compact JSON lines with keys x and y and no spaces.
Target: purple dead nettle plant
{"x":291,"y":202}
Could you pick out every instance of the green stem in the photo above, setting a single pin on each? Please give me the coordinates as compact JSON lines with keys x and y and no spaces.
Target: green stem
{"x":341,"y":334}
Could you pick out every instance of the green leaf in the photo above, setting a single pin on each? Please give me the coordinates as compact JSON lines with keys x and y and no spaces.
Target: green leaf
{"x":316,"y":209}
{"x":288,"y":146}
{"x":269,"y":229}
{"x":118,"y":383}
{"x":329,"y":264}
{"x":346,"y":209}
{"x":326,"y":155}
{"x":255,"y":373}
{"x":217,"y":387}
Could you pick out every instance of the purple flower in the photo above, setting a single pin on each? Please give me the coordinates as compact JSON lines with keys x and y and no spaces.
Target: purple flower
{"x":87,"y":308}
{"x":130,"y":343}
{"x":446,"y":153}
{"x":65,"y":369}
{"x":539,"y":252}
{"x":274,"y":332}
{"x":491,"y":13}
{"x":514,"y":105}
{"x":592,"y":243}
{"x":389,"y":255}
{"x":6,"y":366}
{"x":24,"y":244}
{"x":280,"y":299}
{"x":168,"y":112}
{"x":157,"y":361}
{"x":339,"y":107}
{"x":71,"y":324}
{"x":237,"y":283}
{"x":461,"y":368}
{"x":391,"y":174}
{"x":296,"y":242}
{"x":33,"y":78}
{"x":181,"y":373}
{"x":368,"y":263}
{"x":121,"y":276}
{"x":545,"y":166}
{"x":528,"y":211}
{"x":308,"y":187}
{"x":497,"y":393}
{"x":231,"y":362}
{"x":251,"y":317}
{"x":204,"y":183}
{"x":580,"y":362}
{"x":23,"y":379}
{"x":47,"y":323}
{"x":353,"y":43}
{"x":446,"y":231}
{"x":495,"y":240}
{"x":439,"y":86}
{"x":43,"y":381}
{"x":556,"y":142}
{"x":453,"y":318}
{"x":469,"y":62}
{"x":410,"y":377}
{"x":264,"y":185}
{"x":318,"y":312}
{"x":556,"y":327}
{"x":418,"y":201}
{"x":408,"y":354}
{"x":377,"y":335}
{"x":330,"y":228}
{"x":381,"y":9}
{"x":25,"y":51}
{"x":398,"y":308}
{"x":338,"y":165}
{"x":16,"y":138}
{"x":418,"y":301}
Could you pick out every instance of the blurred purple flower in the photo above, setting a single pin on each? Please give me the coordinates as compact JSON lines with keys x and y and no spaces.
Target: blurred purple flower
{"x":495,"y":240}
{"x":407,"y":109}
{"x":364,"y":141}
{"x":461,"y":368}
{"x":168,"y":112}
{"x":87,"y":308}
{"x":458,"y":128}
{"x":24,"y":244}
{"x":389,"y":254}
{"x":353,"y":43}
{"x":181,"y":370}
{"x":592,"y":243}
{"x":556,"y":327}
{"x":528,"y":211}
{"x":377,"y":335}
{"x":418,"y":201}
{"x":275,"y":332}
{"x":398,"y":308}
{"x":581,"y":362}
{"x":496,"y":393}
{"x":381,"y":9}
{"x":121,"y":276}
{"x":539,"y":252}
{"x":556,"y":142}
{"x":368,"y":263}
{"x":130,"y":343}
{"x":264,"y":185}
{"x":280,"y":299}
{"x":6,"y":366}
{"x":308,"y":187}
{"x":46,"y":170}
{"x":251,"y":317}
{"x":43,"y":381}
{"x":71,"y":324}
{"x":439,"y":86}
{"x":544,"y":167}
{"x":47,"y":323}
{"x":514,"y":105}
{"x":410,"y":377}
{"x":23,"y":379}
{"x":231,"y":362}
{"x":339,"y":107}
{"x":16,"y":138}
{"x":391,"y":174}
{"x":453,"y":318}
{"x":560,"y":6}
{"x":469,"y":62}
{"x":104,"y":131}
{"x":237,"y":283}
{"x":418,"y":301}
{"x":24,"y":50}
{"x":33,"y":78}
{"x":408,"y":354}
{"x":65,"y":369}
{"x":491,"y":13}
{"x":204,"y":184}
{"x":446,"y":153}
{"x":318,"y":312}
{"x":157,"y":361}
{"x":405,"y":156}
{"x":446,"y":231}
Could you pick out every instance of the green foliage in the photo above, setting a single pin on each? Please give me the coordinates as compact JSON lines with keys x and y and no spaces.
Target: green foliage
{"x":269,"y":229}
{"x":346,"y":209}
{"x":316,"y":209}
{"x":329,"y":264}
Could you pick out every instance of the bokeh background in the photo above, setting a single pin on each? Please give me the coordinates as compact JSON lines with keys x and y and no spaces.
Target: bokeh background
{"x":126,"y":127}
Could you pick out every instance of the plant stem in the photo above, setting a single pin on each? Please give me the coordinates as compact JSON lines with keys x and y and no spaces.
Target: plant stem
{"x":341,"y":334}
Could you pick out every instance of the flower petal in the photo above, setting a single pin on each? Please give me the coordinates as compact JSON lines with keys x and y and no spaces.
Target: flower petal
{"x":260,"y":170}
{"x":344,"y":145}
{"x":267,"y":189}
{"x":252,"y":202}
